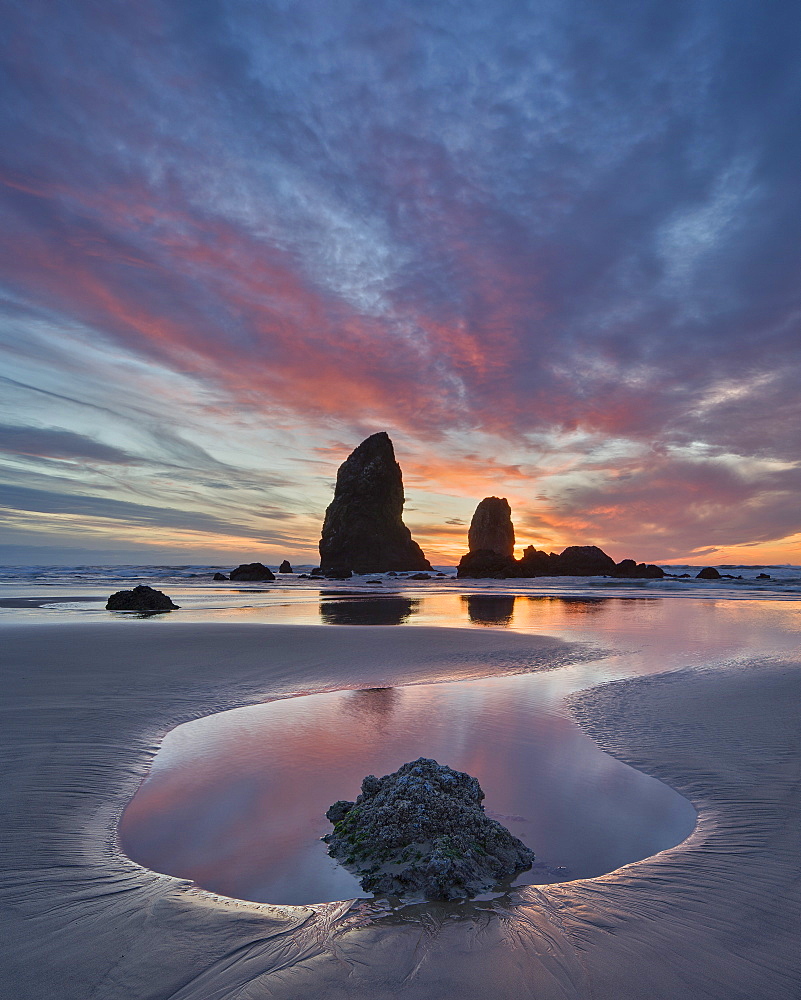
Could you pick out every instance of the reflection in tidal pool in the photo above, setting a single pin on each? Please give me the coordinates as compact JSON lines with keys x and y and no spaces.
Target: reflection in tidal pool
{"x":489,"y":609}
{"x":236,"y":802}
{"x":367,"y":610}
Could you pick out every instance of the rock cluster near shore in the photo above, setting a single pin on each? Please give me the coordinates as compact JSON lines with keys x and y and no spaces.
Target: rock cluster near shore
{"x":491,"y":541}
{"x":142,"y":599}
{"x":363,"y":531}
{"x":422,"y":831}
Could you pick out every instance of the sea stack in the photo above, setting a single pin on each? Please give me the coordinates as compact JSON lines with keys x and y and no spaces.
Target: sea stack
{"x":363,"y":529}
{"x":491,"y":540}
{"x":492,"y":528}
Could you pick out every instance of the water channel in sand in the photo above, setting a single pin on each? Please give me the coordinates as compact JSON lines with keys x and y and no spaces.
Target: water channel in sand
{"x":236,"y":802}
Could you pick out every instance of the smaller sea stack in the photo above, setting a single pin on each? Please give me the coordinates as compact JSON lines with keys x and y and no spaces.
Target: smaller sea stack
{"x":492,"y":528}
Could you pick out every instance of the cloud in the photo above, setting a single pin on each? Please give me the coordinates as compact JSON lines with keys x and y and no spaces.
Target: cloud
{"x":53,"y":442}
{"x":458,"y":225}
{"x":19,"y":498}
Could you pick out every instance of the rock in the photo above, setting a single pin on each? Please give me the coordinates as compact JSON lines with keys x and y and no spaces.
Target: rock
{"x":338,"y":574}
{"x":316,"y":571}
{"x":485,"y":564}
{"x":491,"y":527}
{"x":363,"y":528}
{"x":630,"y":570}
{"x":285,"y":567}
{"x":535,"y":562}
{"x":575,"y":560}
{"x":140,"y":599}
{"x":219,"y":576}
{"x":585,"y":560}
{"x":763,"y":576}
{"x":420,"y":576}
{"x":708,"y":573}
{"x":422,"y":831}
{"x":252,"y":572}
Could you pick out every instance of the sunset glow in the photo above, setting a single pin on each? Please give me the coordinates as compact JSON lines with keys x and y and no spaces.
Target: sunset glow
{"x":553,"y":256}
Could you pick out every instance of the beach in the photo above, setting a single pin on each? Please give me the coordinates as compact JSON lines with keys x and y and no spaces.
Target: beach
{"x":87,"y":704}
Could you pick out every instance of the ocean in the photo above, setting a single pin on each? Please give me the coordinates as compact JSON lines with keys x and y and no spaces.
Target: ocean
{"x":61,"y":593}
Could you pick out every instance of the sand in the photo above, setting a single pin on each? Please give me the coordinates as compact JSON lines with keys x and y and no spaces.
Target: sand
{"x":84,"y":710}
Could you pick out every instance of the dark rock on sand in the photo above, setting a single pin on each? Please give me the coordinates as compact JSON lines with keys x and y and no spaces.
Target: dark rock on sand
{"x":420,"y":576}
{"x":219,"y":576}
{"x":252,"y":572}
{"x":423,"y":831}
{"x":285,"y":567}
{"x":140,"y":599}
{"x":708,"y":573}
{"x":630,"y":570}
{"x":363,"y":528}
{"x":486,"y":564}
{"x":491,"y":527}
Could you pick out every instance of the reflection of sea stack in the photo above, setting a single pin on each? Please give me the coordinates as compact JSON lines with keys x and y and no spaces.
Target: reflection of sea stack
{"x":490,"y":609}
{"x":363,"y":528}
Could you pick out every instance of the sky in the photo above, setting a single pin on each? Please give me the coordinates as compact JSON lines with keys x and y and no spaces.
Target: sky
{"x":551,"y":247}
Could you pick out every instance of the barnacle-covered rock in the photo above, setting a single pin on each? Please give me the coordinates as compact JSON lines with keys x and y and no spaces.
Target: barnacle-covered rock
{"x":423,"y":831}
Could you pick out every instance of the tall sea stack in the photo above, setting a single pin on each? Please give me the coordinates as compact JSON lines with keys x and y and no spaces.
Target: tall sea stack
{"x":363,"y":529}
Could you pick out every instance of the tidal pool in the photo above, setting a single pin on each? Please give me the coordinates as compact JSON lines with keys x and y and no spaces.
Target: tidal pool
{"x":236,"y":802}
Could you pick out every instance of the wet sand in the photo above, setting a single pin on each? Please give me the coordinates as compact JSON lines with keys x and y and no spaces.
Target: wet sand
{"x":86,"y":706}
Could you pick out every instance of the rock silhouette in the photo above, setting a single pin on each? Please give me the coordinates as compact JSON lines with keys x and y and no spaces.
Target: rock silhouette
{"x":585,"y":560}
{"x":285,"y":567}
{"x":422,"y":831}
{"x":140,"y":599}
{"x":708,"y":573}
{"x":491,"y":528}
{"x":630,"y":570}
{"x":485,"y":564}
{"x":491,"y":541}
{"x":219,"y":576}
{"x":363,"y":529}
{"x":252,"y":572}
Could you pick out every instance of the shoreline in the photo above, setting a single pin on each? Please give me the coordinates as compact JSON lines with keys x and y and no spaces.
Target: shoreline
{"x":98,"y":924}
